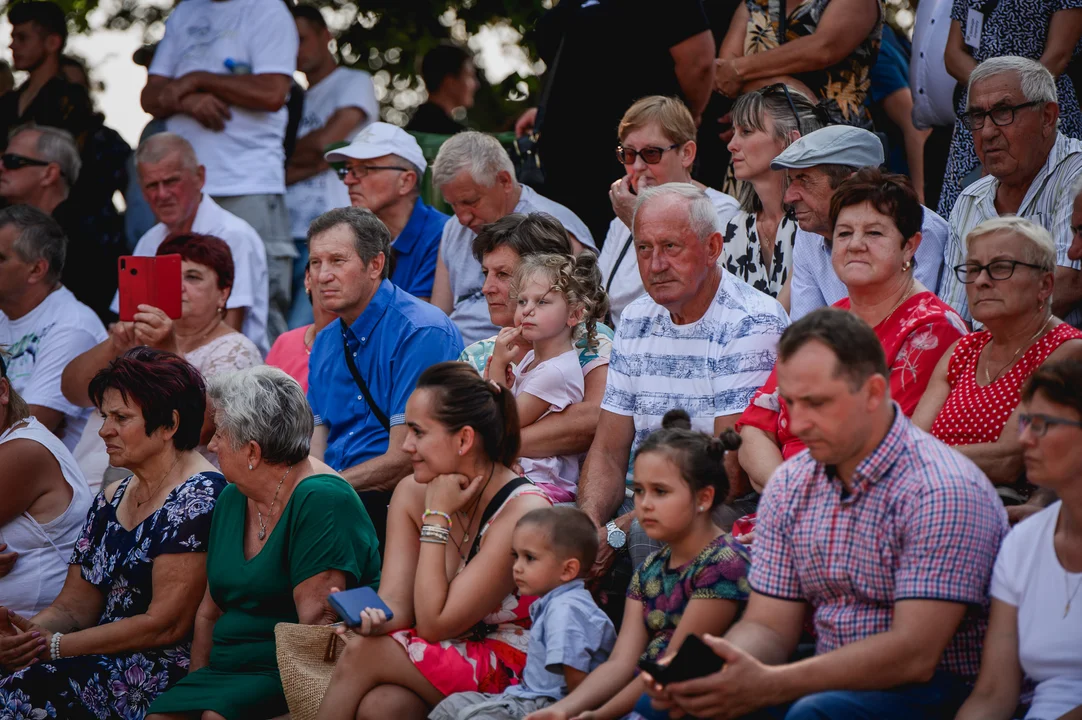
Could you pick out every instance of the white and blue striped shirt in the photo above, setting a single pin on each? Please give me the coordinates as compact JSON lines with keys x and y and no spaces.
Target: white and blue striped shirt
{"x":1048,"y":203}
{"x":709,"y":368}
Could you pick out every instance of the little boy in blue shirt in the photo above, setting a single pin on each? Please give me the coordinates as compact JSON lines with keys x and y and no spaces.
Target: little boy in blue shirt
{"x":570,"y":636}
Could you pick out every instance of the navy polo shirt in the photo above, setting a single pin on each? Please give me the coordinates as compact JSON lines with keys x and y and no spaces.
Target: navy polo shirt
{"x":393,"y":341}
{"x":416,"y":249}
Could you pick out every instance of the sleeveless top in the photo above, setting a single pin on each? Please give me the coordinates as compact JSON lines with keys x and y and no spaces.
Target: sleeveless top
{"x":44,"y":550}
{"x":977,"y":414}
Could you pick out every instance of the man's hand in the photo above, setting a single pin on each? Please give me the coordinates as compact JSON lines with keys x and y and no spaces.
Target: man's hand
{"x":623,"y":200}
{"x":174,"y":92}
{"x":727,"y":80}
{"x":742,"y":686}
{"x":726,"y":121}
{"x":211,"y":112}
{"x":7,"y":560}
{"x":524,"y":124}
{"x":606,"y":554}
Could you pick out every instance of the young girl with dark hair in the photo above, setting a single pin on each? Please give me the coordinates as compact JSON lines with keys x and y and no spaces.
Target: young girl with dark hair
{"x":453,"y":518}
{"x":694,"y":584}
{"x":555,"y":296}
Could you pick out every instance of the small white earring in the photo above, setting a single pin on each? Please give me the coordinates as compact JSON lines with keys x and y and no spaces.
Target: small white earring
{"x":702,"y":508}
{"x":250,"y":466}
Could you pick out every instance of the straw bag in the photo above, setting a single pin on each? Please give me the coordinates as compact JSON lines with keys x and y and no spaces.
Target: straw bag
{"x":306,"y":658}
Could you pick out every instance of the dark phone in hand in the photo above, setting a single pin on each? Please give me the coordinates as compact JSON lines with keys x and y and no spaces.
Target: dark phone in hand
{"x":693,"y":660}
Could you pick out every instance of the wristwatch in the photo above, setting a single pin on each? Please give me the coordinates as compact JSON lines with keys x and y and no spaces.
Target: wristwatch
{"x":616,"y":538}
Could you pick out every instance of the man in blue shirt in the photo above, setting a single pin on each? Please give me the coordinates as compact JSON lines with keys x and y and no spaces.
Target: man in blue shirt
{"x":383,"y":168}
{"x":391,"y":337}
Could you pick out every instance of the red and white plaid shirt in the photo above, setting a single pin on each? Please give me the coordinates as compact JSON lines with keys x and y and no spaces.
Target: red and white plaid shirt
{"x":921,"y":522}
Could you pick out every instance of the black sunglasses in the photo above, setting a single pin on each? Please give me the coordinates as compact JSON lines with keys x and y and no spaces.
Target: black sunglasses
{"x":780,"y":89}
{"x":15,"y":162}
{"x":650,"y":155}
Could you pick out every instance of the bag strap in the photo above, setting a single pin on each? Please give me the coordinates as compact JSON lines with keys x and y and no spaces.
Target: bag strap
{"x":494,"y":504}
{"x":783,"y":22}
{"x":619,"y":259}
{"x":361,"y":385}
{"x":550,"y":75}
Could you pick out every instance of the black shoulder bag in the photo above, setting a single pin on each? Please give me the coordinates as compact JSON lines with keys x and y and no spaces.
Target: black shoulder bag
{"x":361,"y":385}
{"x":527,"y":160}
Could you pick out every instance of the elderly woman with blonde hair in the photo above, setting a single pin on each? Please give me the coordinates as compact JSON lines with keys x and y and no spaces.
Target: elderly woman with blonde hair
{"x":285,"y":531}
{"x":973,"y":396}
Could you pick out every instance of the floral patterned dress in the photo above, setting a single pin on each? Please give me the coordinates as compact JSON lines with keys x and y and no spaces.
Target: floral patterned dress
{"x":742,"y":253}
{"x":491,"y":657}
{"x":843,"y":87}
{"x":119,"y":563}
{"x":914,"y":338}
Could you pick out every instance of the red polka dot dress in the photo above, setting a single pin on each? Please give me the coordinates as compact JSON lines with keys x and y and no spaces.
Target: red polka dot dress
{"x":976,"y":414}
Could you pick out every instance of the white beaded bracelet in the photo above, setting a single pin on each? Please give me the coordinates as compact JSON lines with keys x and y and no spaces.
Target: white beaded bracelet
{"x":54,"y":646}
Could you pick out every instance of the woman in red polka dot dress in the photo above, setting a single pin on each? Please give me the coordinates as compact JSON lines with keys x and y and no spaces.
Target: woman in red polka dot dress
{"x":975,"y":389}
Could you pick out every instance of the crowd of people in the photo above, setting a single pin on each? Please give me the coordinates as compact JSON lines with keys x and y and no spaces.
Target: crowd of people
{"x":738,"y":391}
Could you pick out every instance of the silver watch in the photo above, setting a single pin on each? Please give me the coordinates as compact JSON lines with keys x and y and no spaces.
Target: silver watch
{"x":616,"y":538}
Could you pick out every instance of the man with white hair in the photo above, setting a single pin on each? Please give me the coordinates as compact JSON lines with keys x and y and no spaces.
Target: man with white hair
{"x":382,"y":169}
{"x":701,"y":339}
{"x":172,"y":180}
{"x":1031,"y":167}
{"x":477,"y":179}
{"x":39,"y":168}
{"x":816,"y":164}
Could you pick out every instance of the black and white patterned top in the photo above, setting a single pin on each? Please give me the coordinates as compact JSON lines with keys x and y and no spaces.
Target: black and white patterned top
{"x":742,"y":254}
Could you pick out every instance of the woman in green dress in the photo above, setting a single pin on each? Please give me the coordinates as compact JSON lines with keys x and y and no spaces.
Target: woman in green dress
{"x":284,"y":533}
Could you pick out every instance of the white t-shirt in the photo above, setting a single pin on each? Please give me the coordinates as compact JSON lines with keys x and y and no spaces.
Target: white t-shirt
{"x":623,"y":281}
{"x":41,"y":344}
{"x":709,"y":368}
{"x":250,"y":287}
{"x":250,"y":36}
{"x":559,"y":382}
{"x":1028,"y":576}
{"x":343,"y":88}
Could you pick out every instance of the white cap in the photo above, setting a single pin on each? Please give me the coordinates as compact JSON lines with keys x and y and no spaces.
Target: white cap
{"x":379,"y":139}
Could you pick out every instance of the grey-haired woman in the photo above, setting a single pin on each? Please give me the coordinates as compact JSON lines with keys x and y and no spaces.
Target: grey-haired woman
{"x":285,"y":532}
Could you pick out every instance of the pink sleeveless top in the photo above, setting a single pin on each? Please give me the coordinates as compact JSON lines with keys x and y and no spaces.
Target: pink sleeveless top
{"x":976,"y":414}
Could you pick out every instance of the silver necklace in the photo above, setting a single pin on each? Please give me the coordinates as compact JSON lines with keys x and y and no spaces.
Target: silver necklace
{"x":988,"y":379}
{"x":270,"y":510}
{"x":1067,"y":594}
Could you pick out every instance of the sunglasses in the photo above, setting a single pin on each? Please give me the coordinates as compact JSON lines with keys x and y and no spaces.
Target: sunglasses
{"x":650,"y":155}
{"x":783,"y":89}
{"x":15,"y":162}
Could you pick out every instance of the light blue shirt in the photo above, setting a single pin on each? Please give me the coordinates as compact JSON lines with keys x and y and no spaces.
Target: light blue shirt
{"x":816,"y":285}
{"x":568,"y":630}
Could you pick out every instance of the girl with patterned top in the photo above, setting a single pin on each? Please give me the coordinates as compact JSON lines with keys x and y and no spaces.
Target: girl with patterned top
{"x":973,"y":395}
{"x":459,"y":624}
{"x":554,"y":296}
{"x":758,"y":245}
{"x":694,"y":584}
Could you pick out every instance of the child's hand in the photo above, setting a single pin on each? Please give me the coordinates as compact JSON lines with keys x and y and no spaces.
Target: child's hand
{"x":509,"y":346}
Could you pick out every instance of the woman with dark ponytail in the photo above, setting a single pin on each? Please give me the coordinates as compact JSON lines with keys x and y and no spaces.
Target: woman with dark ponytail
{"x":696,"y":583}
{"x":453,"y":518}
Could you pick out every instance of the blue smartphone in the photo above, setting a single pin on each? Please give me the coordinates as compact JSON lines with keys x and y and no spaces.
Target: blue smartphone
{"x":349,"y":604}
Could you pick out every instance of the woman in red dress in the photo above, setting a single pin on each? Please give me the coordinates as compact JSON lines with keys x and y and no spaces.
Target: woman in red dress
{"x":877,"y":220}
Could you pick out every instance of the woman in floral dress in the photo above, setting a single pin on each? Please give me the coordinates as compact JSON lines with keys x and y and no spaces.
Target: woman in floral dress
{"x":119,"y":633}
{"x":452,"y":518}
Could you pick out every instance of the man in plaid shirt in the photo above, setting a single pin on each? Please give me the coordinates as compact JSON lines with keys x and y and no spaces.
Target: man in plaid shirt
{"x":889,"y":534}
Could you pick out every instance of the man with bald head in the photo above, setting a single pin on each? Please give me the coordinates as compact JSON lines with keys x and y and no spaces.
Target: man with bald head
{"x":700,"y":339}
{"x":172,"y":180}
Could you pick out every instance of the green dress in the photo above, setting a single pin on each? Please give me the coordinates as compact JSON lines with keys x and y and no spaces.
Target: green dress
{"x":324,"y":526}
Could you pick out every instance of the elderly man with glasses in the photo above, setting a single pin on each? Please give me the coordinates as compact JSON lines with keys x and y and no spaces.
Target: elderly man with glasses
{"x":382,"y":169}
{"x":39,"y":168}
{"x":1013,"y":114}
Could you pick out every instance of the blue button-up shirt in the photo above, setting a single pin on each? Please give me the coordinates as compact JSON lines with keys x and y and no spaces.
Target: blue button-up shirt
{"x":416,"y":249}
{"x":816,"y":285}
{"x":568,"y":629}
{"x":393,"y":341}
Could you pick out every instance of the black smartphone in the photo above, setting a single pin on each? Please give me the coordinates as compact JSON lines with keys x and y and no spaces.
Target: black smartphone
{"x":694,"y":659}
{"x":349,"y":604}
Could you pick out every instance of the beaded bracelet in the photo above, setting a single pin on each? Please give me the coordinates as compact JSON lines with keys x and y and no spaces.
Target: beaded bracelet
{"x":54,"y":646}
{"x":437,"y":513}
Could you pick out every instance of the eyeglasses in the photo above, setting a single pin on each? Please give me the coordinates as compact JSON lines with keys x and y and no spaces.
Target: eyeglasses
{"x":650,"y":155}
{"x":359,"y":172}
{"x":974,"y":119}
{"x":15,"y":162}
{"x":997,"y":270}
{"x":1039,"y":423}
{"x":782,"y":88}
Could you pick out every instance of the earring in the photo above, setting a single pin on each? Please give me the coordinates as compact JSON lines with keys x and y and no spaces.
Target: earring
{"x":702,"y":508}
{"x":906,"y":265}
{"x":250,"y":466}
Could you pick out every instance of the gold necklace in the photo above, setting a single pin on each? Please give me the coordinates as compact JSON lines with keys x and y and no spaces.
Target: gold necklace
{"x":259,"y":515}
{"x":140,"y":503}
{"x":905,"y":296}
{"x":1068,"y":594}
{"x":988,"y":380}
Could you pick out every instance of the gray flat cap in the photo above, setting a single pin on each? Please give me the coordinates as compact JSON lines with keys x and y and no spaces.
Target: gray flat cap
{"x":832,"y":145}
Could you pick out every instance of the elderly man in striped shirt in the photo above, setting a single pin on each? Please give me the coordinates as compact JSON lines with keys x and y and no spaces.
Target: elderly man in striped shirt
{"x":887,"y":533}
{"x":1030,"y":165}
